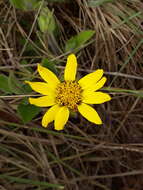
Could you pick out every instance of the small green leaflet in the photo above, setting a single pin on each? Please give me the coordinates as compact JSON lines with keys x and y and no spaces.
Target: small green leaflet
{"x":50,"y":65}
{"x":46,"y":21}
{"x":79,"y":40}
{"x":27,"y":111}
{"x":4,"y":84}
{"x":25,"y":4}
{"x":14,"y":84}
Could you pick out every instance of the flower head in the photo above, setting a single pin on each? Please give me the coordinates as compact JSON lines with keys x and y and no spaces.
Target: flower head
{"x":69,"y":95}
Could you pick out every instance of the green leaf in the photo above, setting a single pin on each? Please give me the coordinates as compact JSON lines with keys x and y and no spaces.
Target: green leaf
{"x":4,"y":84}
{"x":30,"y":49}
{"x":46,"y":21}
{"x":27,"y":111}
{"x":50,"y":65}
{"x":77,"y":41}
{"x":14,"y":85}
{"x":25,"y":4}
{"x":27,"y":89}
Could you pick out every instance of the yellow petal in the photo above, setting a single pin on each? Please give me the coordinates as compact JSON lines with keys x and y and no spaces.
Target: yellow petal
{"x":40,"y":87}
{"x":43,"y":101}
{"x":49,"y":116}
{"x":90,"y":79}
{"x":96,"y":86}
{"x":71,"y":67}
{"x":89,"y":113}
{"x":48,"y":76}
{"x":96,"y":98}
{"x":61,"y":118}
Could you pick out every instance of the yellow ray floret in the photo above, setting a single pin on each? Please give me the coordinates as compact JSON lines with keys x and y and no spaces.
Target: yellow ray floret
{"x":91,"y":79}
{"x":96,"y":86}
{"x":96,"y":98}
{"x":61,"y":118}
{"x":40,"y":87}
{"x":43,"y":101}
{"x":89,"y":113}
{"x":48,"y":76}
{"x":49,"y":116}
{"x":71,"y":67}
{"x":69,"y":95}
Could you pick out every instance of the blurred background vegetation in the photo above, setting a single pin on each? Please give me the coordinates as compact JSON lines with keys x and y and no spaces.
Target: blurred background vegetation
{"x":105,"y":34}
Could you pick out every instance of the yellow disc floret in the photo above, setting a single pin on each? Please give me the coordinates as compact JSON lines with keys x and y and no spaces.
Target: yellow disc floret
{"x":69,"y":93}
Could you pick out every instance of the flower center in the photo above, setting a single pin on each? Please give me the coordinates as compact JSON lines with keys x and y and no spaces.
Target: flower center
{"x":69,"y":93}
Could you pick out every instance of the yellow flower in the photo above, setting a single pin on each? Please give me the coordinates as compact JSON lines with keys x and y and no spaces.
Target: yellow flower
{"x":69,"y":95}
